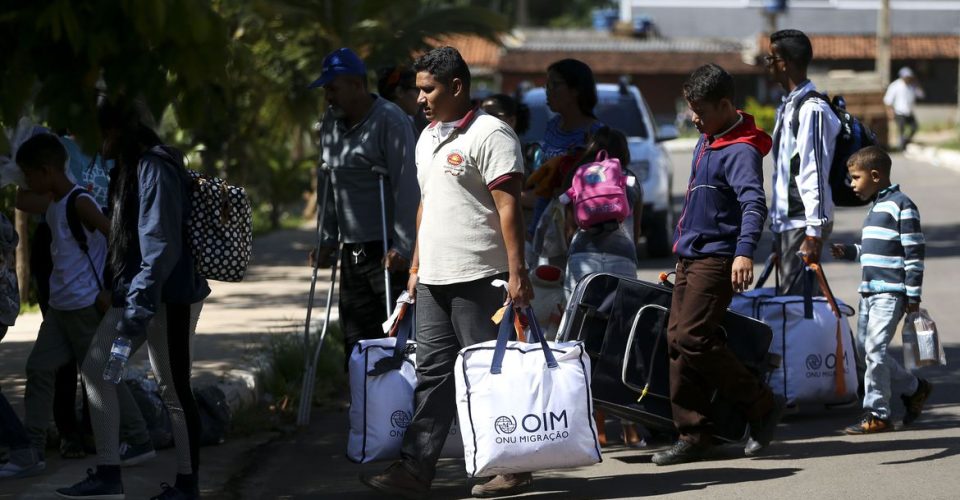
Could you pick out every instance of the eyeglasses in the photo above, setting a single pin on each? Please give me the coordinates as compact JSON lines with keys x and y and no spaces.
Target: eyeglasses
{"x":769,"y":59}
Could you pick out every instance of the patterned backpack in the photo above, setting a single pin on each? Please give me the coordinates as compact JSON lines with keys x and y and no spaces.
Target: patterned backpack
{"x":599,"y":192}
{"x":220,"y":228}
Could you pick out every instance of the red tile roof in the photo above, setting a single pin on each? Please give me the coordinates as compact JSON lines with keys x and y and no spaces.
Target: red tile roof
{"x":635,"y":63}
{"x":864,"y":47}
{"x":476,"y":51}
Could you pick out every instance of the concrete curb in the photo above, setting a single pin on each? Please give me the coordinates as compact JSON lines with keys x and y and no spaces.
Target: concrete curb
{"x":939,"y":157}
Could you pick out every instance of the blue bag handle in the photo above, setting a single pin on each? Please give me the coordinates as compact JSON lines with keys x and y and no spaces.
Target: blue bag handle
{"x":406,"y":331}
{"x":506,"y":330}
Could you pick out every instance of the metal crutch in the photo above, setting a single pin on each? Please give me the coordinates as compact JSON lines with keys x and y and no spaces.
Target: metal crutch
{"x":382,"y":173}
{"x":310,"y":368}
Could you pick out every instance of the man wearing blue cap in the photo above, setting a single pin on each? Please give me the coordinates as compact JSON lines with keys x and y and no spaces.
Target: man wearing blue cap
{"x":361,"y":137}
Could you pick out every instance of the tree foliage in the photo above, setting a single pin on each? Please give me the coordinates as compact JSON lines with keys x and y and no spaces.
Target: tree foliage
{"x":226,"y":79}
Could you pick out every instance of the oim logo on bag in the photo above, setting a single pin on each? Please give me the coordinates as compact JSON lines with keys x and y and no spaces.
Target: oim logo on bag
{"x":534,"y":427}
{"x":400,"y":419}
{"x":505,"y":425}
{"x":828,"y":364}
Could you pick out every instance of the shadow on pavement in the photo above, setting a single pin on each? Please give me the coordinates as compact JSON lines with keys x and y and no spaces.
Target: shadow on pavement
{"x":653,"y":483}
{"x":943,"y":447}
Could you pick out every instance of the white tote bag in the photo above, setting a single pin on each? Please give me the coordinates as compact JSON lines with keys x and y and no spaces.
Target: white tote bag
{"x":382,"y":379}
{"x":525,"y":407}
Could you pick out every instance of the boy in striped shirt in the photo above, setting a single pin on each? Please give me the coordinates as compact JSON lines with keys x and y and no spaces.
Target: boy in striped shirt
{"x":891,"y":255}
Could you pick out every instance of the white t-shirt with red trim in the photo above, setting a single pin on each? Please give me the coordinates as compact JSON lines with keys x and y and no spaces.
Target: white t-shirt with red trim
{"x":460,"y":238}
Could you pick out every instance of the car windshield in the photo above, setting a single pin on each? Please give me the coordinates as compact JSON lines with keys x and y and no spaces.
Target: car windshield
{"x":622,"y":113}
{"x":613,"y":109}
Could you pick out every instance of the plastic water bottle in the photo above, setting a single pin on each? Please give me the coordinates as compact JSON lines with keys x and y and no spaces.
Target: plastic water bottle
{"x":119,"y":355}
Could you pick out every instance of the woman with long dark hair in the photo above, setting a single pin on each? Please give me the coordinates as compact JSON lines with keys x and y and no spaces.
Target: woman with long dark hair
{"x":157,"y":297}
{"x":572,"y":95}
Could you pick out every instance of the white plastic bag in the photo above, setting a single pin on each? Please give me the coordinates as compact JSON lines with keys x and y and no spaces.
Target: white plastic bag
{"x":525,"y":407}
{"x":921,"y":342}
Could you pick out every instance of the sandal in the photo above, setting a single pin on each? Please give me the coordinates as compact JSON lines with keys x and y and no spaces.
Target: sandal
{"x":632,"y":438}
{"x":71,"y":449}
{"x":601,"y":419}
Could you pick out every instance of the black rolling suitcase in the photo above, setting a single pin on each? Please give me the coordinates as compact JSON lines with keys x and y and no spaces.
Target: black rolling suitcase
{"x":623,"y":324}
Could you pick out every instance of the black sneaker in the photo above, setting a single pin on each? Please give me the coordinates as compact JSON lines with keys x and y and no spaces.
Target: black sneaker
{"x":761,"y":433}
{"x":172,"y":493}
{"x":915,"y":401}
{"x":682,"y":452}
{"x":93,"y":488}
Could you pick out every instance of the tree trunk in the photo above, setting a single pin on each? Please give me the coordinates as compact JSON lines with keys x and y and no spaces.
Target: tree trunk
{"x":22,"y":223}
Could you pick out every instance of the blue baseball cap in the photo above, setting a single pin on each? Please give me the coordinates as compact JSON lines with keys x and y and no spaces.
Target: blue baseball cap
{"x":342,"y":61}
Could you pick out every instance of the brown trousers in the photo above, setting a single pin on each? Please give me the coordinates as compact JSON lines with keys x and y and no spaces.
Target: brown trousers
{"x":700,"y":361}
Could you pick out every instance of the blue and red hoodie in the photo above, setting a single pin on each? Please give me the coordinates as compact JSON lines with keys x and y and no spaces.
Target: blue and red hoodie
{"x":725,"y":205}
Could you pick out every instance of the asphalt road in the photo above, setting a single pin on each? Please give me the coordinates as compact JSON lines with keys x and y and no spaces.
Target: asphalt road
{"x":810,"y":459}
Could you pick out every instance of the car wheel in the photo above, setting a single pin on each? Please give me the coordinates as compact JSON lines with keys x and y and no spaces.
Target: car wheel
{"x":660,"y":234}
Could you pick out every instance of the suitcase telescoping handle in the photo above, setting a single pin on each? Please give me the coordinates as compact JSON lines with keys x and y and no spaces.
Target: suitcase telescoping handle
{"x":506,"y":328}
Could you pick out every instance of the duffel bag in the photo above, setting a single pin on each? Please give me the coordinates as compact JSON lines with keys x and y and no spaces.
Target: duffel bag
{"x":525,"y":406}
{"x":812,"y":335}
{"x":382,"y":379}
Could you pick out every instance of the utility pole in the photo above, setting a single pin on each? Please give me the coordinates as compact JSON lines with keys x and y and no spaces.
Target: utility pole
{"x":958,"y":80}
{"x":883,"y":43}
{"x":523,"y":14}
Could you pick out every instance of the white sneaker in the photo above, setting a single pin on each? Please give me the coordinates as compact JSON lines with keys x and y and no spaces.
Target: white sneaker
{"x":23,"y":463}
{"x":133,"y":454}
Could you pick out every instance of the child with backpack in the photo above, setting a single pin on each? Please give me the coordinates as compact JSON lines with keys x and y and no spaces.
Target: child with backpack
{"x":75,"y":280}
{"x":891,"y":254}
{"x":603,"y":194}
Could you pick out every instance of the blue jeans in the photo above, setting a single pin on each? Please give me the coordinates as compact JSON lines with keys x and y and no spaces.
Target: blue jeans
{"x":879,"y":316}
{"x":583,"y":263}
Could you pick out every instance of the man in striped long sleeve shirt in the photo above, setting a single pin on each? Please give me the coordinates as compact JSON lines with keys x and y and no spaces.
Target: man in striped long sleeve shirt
{"x":891,"y":254}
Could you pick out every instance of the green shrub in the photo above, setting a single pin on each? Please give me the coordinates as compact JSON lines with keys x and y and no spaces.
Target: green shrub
{"x":765,"y":116}
{"x":281,"y":369}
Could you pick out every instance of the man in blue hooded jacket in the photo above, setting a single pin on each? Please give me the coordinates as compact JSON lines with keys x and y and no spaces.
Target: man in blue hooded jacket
{"x":715,"y":240}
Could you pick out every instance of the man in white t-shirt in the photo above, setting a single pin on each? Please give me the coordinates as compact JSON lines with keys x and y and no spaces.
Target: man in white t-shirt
{"x":901,"y":97}
{"x":469,"y":232}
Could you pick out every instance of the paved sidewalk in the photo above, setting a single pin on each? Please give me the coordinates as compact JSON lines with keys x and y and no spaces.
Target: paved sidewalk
{"x":235,"y":319}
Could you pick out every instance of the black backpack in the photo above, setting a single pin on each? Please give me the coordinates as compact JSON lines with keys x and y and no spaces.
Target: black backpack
{"x":853,"y":136}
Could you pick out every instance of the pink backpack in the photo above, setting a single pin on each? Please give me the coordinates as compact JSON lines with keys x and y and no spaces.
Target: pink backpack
{"x":599,"y":192}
